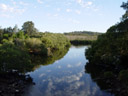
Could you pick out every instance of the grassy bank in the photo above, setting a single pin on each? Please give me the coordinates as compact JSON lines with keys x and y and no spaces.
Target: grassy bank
{"x":82,"y":37}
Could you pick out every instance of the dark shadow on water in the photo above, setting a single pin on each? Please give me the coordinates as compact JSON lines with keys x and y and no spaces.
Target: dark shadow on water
{"x":15,"y":63}
{"x":106,"y":80}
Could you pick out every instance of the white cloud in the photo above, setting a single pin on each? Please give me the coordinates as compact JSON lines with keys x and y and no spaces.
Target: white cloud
{"x":78,"y":11}
{"x":23,"y":3}
{"x":5,"y":15}
{"x":89,"y":3}
{"x":6,"y":8}
{"x":82,"y":3}
{"x":10,"y":9}
{"x":79,"y":1}
{"x":40,"y":1}
{"x":68,"y":10}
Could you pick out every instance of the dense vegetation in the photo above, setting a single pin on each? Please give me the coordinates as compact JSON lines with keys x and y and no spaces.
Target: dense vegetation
{"x":17,"y":46}
{"x":82,"y":37}
{"x":109,"y":56}
{"x":83,"y":33}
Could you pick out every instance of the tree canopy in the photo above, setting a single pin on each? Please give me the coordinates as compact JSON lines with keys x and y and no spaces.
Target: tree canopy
{"x":29,"y":28}
{"x":125,"y":7}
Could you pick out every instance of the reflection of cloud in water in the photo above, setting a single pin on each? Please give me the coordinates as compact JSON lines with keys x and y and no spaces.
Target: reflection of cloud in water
{"x":73,"y":56}
{"x":67,"y":79}
{"x":43,"y":80}
{"x":59,"y":67}
{"x":41,"y":75}
{"x":48,"y":70}
{"x":71,"y":85}
{"x":57,"y":62}
{"x":69,"y":65}
{"x":78,"y":64}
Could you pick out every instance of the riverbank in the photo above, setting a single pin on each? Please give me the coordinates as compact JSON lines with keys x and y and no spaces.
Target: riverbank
{"x":13,"y":83}
{"x":81,"y":42}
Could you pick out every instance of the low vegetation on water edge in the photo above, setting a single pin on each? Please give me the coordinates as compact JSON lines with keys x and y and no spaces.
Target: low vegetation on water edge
{"x":82,"y":37}
{"x":109,"y":54}
{"x":17,"y":46}
{"x":22,"y":51}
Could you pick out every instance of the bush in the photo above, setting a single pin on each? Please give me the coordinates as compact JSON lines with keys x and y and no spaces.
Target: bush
{"x":123,"y":76}
{"x":108,"y":74}
{"x":13,"y":58}
{"x":33,"y":44}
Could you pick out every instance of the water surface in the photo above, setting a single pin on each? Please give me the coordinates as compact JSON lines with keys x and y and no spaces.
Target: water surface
{"x":65,"y":77}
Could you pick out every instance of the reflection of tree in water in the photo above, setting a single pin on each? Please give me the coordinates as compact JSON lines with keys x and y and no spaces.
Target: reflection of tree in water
{"x":106,"y":80}
{"x":12,"y":58}
{"x":56,"y":55}
{"x":13,"y":61}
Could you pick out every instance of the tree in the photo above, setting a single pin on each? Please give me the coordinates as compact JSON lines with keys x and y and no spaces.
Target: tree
{"x":1,"y":34}
{"x":125,"y":7}
{"x":15,"y":29}
{"x":8,"y":30}
{"x":29,"y":28}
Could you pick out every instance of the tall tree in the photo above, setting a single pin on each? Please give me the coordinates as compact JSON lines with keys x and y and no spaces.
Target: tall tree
{"x":1,"y":33}
{"x":125,"y":7}
{"x":15,"y":29}
{"x":29,"y":28}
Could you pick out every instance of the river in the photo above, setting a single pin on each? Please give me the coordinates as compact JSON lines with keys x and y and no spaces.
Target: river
{"x":65,"y":77}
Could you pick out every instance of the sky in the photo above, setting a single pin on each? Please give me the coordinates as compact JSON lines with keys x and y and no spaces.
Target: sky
{"x":62,"y":15}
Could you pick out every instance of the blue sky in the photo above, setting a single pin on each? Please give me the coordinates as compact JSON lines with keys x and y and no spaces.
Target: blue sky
{"x":62,"y":15}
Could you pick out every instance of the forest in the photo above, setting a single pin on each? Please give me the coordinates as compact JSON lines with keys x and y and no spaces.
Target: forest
{"x":108,"y":57}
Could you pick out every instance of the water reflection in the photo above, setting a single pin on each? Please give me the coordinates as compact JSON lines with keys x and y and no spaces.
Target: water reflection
{"x":37,"y":61}
{"x":65,"y":77}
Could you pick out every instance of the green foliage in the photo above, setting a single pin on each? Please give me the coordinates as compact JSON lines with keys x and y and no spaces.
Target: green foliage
{"x":125,"y":7}
{"x":110,"y":53}
{"x":82,"y":37}
{"x":5,"y":36}
{"x":56,"y":55}
{"x":5,"y":41}
{"x":86,"y":33}
{"x":55,"y":41}
{"x":29,"y":28}
{"x":17,"y":46}
{"x":20,"y":35}
{"x":123,"y":76}
{"x":108,"y":74}
{"x":11,"y":57}
{"x":33,"y":45}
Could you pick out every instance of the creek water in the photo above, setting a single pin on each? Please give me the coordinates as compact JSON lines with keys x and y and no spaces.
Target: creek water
{"x":65,"y":77}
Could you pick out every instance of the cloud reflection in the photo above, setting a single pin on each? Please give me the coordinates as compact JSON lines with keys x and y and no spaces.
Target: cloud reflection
{"x":71,"y":85}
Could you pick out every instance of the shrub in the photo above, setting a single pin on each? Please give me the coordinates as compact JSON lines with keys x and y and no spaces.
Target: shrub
{"x":108,"y":74}
{"x":123,"y":76}
{"x":13,"y":58}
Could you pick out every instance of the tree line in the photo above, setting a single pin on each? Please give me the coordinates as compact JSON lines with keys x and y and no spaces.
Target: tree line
{"x":109,"y":56}
{"x":17,"y":46}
